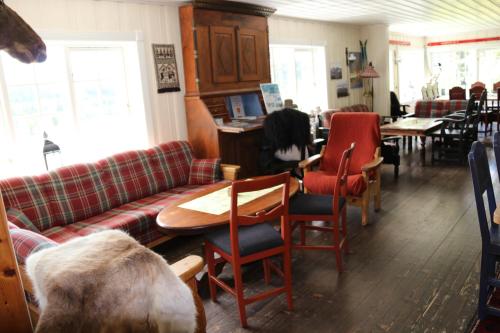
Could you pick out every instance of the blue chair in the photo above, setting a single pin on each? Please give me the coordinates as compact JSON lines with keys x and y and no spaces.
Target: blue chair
{"x":496,"y":149}
{"x":490,"y":234}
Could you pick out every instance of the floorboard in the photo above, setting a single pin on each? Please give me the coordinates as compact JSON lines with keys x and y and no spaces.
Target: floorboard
{"x":415,"y":268}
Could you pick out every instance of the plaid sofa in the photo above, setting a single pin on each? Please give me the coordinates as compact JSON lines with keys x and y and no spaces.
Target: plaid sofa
{"x":125,"y":191}
{"x":438,"y":108}
{"x":326,"y":115}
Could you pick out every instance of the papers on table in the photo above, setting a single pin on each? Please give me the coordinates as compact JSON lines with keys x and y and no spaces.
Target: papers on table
{"x":219,"y":202}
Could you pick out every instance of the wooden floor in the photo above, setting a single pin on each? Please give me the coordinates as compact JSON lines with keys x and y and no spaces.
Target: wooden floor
{"x":415,"y":268}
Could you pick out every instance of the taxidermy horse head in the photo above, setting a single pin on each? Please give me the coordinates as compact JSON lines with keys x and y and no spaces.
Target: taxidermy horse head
{"x":18,"y":39}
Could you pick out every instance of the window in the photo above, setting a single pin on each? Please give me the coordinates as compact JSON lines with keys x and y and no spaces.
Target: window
{"x":300,"y":73}
{"x":82,"y":97}
{"x":406,"y":72}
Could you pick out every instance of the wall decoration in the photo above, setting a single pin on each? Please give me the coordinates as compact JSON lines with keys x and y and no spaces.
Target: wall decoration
{"x":335,"y":72}
{"x":167,"y":76}
{"x":342,"y":89}
{"x":355,"y":68}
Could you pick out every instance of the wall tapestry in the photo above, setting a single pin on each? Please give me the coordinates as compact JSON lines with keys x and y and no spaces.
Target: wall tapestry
{"x":355,"y":68}
{"x":166,"y":68}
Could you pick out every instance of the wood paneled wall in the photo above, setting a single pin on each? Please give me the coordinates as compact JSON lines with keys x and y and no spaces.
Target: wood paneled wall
{"x":158,"y":24}
{"x":335,"y":38}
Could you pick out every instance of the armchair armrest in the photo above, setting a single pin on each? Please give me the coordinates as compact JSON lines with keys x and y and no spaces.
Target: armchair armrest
{"x":230,"y":171}
{"x":372,"y":165}
{"x":307,"y":163}
{"x":187,"y":268}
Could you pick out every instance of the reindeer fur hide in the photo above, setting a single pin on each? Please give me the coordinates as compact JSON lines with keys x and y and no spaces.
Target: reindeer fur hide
{"x":107,"y":282}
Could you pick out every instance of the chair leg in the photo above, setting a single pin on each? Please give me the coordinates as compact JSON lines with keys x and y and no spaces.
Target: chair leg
{"x":483,"y":286}
{"x":209,"y":257}
{"x":344,"y":229}
{"x":267,"y":271}
{"x":365,"y":203}
{"x":238,"y":287}
{"x":336,"y":241}
{"x":377,"y":198}
{"x":287,"y":272}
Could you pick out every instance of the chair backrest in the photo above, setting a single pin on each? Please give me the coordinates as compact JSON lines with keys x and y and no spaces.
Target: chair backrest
{"x":395,"y":105}
{"x":476,"y":91}
{"x":496,"y":149}
{"x":481,"y":179}
{"x":457,"y":93}
{"x":340,"y":189}
{"x":478,"y":84}
{"x":362,"y":128}
{"x":243,"y":186}
{"x":482,"y":100}
{"x":496,"y":86}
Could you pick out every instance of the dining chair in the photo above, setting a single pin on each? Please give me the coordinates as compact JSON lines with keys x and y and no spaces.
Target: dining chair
{"x":306,"y":208}
{"x":496,"y":150}
{"x":457,"y":93}
{"x":490,"y":234}
{"x":249,"y":238}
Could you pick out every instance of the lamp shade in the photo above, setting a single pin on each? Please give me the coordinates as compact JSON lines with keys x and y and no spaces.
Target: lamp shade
{"x":369,"y":72}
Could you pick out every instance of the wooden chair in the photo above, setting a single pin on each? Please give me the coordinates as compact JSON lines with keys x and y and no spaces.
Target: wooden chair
{"x":363,"y":179}
{"x":478,"y":84}
{"x":457,"y":93}
{"x":306,"y":207}
{"x":249,"y":239}
{"x":490,"y":235}
{"x":496,"y":150}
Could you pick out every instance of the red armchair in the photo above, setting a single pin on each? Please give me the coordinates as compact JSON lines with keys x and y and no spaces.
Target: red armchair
{"x":363,"y":179}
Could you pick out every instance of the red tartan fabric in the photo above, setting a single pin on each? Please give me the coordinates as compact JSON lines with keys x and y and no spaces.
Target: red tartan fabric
{"x":26,"y":242}
{"x":18,"y":218}
{"x":355,"y":108}
{"x":137,"y":218}
{"x":431,"y":109}
{"x":12,"y":225}
{"x":204,"y":171}
{"x":456,"y":105}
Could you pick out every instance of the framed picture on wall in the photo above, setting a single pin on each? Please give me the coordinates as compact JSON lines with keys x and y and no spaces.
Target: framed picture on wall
{"x":167,"y":76}
{"x":335,"y":72}
{"x":355,"y":70}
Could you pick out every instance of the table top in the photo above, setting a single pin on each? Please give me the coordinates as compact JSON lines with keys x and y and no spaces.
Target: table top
{"x":180,"y":220}
{"x":412,"y":124}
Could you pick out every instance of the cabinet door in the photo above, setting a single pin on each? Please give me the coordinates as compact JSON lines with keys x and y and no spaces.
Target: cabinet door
{"x":249,"y":54}
{"x":223,"y":49}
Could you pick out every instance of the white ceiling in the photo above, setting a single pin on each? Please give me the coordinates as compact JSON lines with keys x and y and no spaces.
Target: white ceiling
{"x":415,"y":17}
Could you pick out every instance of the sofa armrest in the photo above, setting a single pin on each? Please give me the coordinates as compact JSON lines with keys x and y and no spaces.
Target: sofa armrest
{"x":230,"y":171}
{"x":187,"y":268}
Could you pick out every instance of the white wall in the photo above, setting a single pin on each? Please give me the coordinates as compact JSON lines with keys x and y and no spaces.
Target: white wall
{"x":335,"y":38}
{"x":158,"y":24}
{"x":378,"y":53}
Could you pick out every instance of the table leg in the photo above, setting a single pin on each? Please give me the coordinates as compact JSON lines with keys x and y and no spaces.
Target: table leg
{"x":422,"y":150}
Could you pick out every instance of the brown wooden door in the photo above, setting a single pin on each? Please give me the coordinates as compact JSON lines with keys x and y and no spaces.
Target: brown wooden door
{"x":223,"y":49}
{"x":249,"y":54}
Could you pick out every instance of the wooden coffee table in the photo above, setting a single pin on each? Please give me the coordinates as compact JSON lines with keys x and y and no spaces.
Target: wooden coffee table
{"x":419,"y":127}
{"x":175,"y":219}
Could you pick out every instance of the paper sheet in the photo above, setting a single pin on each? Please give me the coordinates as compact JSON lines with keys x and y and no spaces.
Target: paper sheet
{"x":219,"y":202}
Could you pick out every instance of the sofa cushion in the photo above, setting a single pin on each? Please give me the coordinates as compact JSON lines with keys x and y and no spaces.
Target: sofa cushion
{"x":138,"y":218}
{"x":26,"y":242}
{"x":323,"y":182}
{"x":173,"y":163}
{"x":18,"y":218}
{"x":204,"y":171}
{"x":431,"y":109}
{"x":26,"y":194}
{"x":78,"y":192}
{"x":457,"y":105}
{"x":355,"y":108}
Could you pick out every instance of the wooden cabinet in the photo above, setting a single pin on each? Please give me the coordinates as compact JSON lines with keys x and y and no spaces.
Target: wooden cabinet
{"x":225,"y":50}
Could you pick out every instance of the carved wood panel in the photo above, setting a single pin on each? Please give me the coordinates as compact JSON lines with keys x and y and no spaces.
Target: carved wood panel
{"x":248,"y":44}
{"x":223,"y":49}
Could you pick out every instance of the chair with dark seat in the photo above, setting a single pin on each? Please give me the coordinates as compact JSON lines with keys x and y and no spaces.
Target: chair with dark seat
{"x":490,"y":233}
{"x":397,"y":110}
{"x":284,"y":130}
{"x":363,"y":182}
{"x":455,"y":136}
{"x":249,"y":239}
{"x":306,"y":208}
{"x":457,"y":93}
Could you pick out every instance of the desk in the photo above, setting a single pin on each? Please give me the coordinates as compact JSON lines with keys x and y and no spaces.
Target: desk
{"x":420,"y":127}
{"x":186,"y":221}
